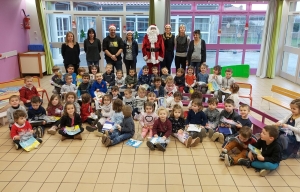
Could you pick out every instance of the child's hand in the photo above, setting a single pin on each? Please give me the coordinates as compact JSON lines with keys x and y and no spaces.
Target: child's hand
{"x":250,"y":156}
{"x":17,"y":137}
{"x":111,"y":130}
{"x":44,"y":122}
{"x":31,"y":131}
{"x":27,"y":101}
{"x":180,"y":131}
{"x":150,"y":127}
{"x":222,"y":125}
{"x":278,"y":124}
{"x":260,"y":157}
{"x":239,"y":126}
{"x":97,"y":90}
{"x":245,"y":146}
{"x":107,"y":84}
{"x":164,"y":137}
{"x":155,"y":135}
{"x":95,"y":98}
{"x":285,"y":125}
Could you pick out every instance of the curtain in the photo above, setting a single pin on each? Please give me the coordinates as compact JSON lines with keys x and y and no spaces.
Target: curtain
{"x":41,"y":18}
{"x":151,"y":13}
{"x":274,"y":45}
{"x":167,"y":11}
{"x":267,"y":39}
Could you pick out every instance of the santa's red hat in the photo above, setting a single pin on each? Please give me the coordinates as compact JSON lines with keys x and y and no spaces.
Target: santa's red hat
{"x":112,"y":26}
{"x":168,"y":26}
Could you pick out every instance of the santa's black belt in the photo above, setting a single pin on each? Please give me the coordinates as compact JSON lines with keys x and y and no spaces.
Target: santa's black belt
{"x":153,"y":49}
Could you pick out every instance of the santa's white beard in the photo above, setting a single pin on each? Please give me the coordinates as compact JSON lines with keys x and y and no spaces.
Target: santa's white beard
{"x":152,"y":36}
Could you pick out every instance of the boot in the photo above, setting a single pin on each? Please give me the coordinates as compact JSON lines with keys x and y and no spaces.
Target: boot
{"x":188,"y":142}
{"x":150,"y":145}
{"x":52,"y":130}
{"x":195,"y":142}
{"x":99,"y":126}
{"x":78,"y":137}
{"x":91,"y":128}
{"x":161,"y":147}
{"x":107,"y":142}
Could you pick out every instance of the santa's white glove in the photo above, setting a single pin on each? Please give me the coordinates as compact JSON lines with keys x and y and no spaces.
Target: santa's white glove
{"x":160,"y":58}
{"x":145,"y":58}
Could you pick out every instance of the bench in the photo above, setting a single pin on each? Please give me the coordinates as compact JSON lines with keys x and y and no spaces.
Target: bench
{"x":186,"y":102}
{"x":20,"y":83}
{"x":280,"y":91}
{"x":258,"y":125}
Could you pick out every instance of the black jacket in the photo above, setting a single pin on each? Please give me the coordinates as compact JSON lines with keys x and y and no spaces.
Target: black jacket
{"x":109,"y":78}
{"x":272,"y":152}
{"x":191,"y":50}
{"x":67,"y":121}
{"x":127,"y":126}
{"x":161,"y":91}
{"x":135,"y":50}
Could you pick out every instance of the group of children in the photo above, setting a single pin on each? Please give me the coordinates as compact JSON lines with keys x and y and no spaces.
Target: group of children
{"x":89,"y":101}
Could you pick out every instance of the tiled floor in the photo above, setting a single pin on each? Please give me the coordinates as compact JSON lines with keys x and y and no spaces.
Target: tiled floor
{"x":89,"y":166}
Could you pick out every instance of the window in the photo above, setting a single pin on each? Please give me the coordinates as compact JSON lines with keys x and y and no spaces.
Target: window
{"x":211,"y":56}
{"x":83,"y":25}
{"x":62,"y":25}
{"x":233,"y":28}
{"x":293,"y":31}
{"x":252,"y":58}
{"x":98,"y":6}
{"x":230,"y":57}
{"x":208,"y":26}
{"x":259,"y":7}
{"x":256,"y":27}
{"x":207,"y":7}
{"x":235,"y":7}
{"x":139,"y":24}
{"x":137,"y":6}
{"x":289,"y":63}
{"x":294,"y":6}
{"x":181,"y":20}
{"x":182,"y":7}
{"x":107,"y":21}
{"x":54,"y":5}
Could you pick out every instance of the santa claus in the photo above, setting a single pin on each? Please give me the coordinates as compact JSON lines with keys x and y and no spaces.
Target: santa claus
{"x":153,"y":47}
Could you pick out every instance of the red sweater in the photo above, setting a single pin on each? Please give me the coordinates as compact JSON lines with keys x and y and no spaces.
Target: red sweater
{"x":51,"y":111}
{"x":26,"y":93}
{"x":16,"y":129}
{"x":165,"y":127}
{"x":85,"y":111}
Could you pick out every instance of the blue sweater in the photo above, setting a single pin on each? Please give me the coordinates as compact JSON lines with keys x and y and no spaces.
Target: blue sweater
{"x":159,"y":93}
{"x":34,"y":114}
{"x":101,"y":86}
{"x":196,"y":118}
{"x":117,"y":118}
{"x":202,"y":77}
{"x":144,"y":79}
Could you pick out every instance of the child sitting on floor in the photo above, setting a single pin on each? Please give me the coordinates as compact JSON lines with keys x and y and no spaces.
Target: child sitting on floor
{"x":123,"y":132}
{"x":190,"y":79}
{"x":108,"y":76}
{"x":157,"y":88}
{"x":162,"y":127}
{"x":227,"y":81}
{"x":56,"y":80}
{"x":145,"y":78}
{"x":128,"y":99}
{"x":178,"y":128}
{"x":120,"y":80}
{"x":234,"y":89}
{"x":213,"y":116}
{"x":21,"y":125}
{"x":131,"y":79}
{"x":180,"y":80}
{"x":55,"y":109}
{"x":139,"y":102}
{"x":14,"y":102}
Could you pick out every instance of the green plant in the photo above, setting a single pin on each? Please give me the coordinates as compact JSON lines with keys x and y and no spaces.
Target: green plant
{"x":136,"y":35}
{"x":82,"y":34}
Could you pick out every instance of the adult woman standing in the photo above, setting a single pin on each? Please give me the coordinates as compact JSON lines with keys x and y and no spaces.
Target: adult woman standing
{"x":197,"y":52}
{"x":169,"y":41}
{"x":92,"y":48}
{"x":181,"y":42}
{"x":70,"y":52}
{"x":130,"y":52}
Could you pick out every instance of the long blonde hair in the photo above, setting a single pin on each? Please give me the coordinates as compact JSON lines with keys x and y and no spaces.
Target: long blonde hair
{"x":66,"y":38}
{"x":181,"y":25}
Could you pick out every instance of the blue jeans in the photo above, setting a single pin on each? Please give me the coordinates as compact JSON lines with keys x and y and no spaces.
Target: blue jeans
{"x":116,"y":64}
{"x":116,"y":137}
{"x":196,"y":65}
{"x":90,"y":63}
{"x":264,"y":165}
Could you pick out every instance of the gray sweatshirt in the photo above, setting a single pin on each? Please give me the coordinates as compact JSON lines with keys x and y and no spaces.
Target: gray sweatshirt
{"x":139,"y":103}
{"x":10,"y":113}
{"x":227,"y":82}
{"x":120,"y":82}
{"x":213,"y":116}
{"x":68,"y":88}
{"x":129,"y":101}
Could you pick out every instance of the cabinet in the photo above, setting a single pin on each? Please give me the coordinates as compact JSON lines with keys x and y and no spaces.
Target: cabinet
{"x":32,"y":63}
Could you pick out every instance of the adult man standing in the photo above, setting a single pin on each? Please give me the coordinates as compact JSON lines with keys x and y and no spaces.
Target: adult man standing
{"x":113,"y":47}
{"x":153,"y":47}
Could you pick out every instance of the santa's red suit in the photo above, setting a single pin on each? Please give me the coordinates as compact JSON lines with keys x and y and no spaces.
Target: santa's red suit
{"x":153,"y":50}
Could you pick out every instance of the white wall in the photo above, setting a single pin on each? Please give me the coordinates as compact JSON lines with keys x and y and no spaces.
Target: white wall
{"x":34,"y":32}
{"x":159,"y":6}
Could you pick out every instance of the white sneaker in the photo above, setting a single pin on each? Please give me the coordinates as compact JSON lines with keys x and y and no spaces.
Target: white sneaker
{"x":93,"y":116}
{"x":136,"y":116}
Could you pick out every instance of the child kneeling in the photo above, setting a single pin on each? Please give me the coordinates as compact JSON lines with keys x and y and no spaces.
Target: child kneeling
{"x":271,"y":150}
{"x":125,"y":129}
{"x":162,"y":127}
{"x":71,"y":126}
